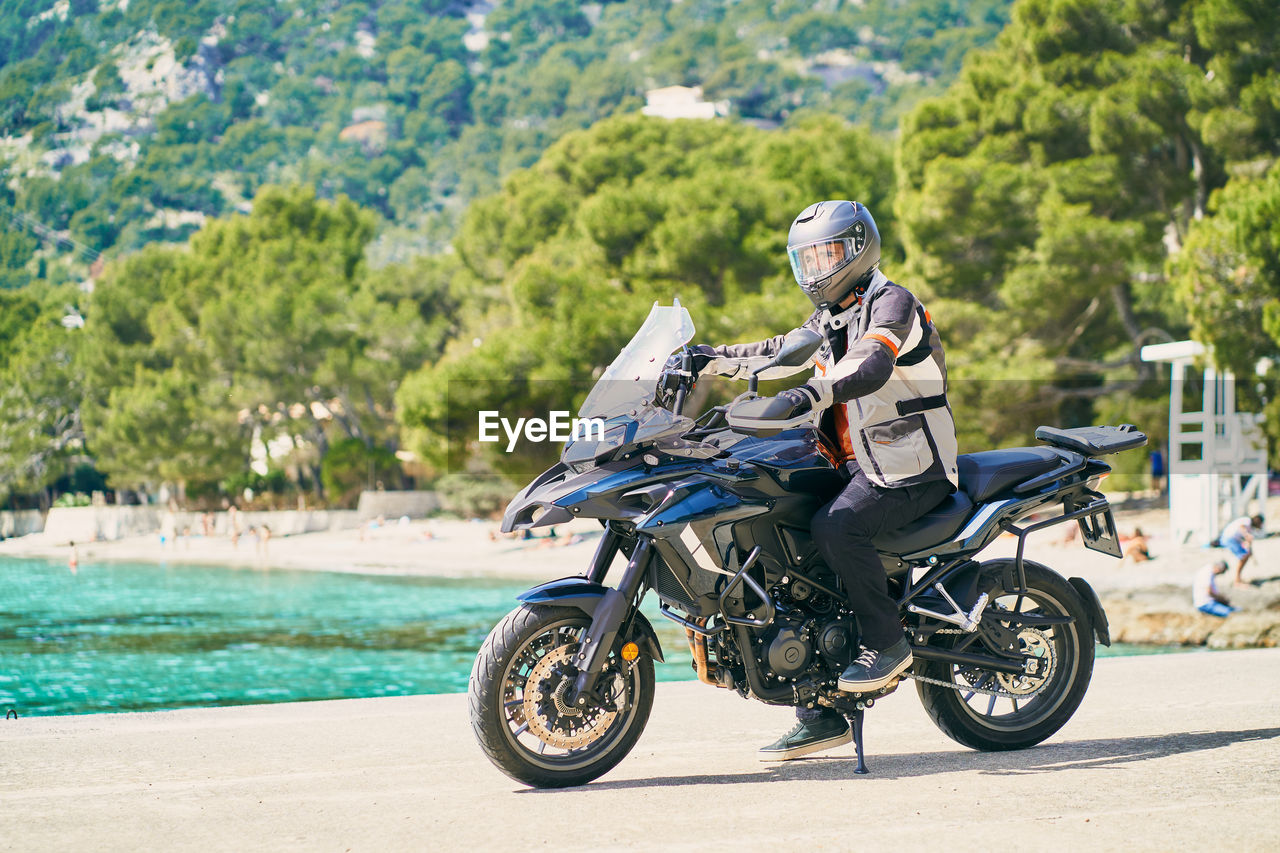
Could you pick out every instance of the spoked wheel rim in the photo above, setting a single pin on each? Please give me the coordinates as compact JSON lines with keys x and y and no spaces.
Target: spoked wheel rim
{"x":537,"y":721}
{"x":1025,"y":701}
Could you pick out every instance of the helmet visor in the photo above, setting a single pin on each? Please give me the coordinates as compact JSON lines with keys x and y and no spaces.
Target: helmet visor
{"x":815,"y":261}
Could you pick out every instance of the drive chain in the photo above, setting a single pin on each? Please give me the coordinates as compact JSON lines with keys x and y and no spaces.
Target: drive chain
{"x":967,"y":688}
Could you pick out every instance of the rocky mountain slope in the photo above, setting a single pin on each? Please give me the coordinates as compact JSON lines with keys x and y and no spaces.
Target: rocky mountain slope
{"x":128,"y":121}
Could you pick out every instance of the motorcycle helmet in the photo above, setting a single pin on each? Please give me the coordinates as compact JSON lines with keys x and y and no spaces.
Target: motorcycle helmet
{"x":834,"y":248}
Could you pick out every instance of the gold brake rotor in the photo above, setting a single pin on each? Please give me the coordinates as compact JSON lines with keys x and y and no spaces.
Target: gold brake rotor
{"x":542,"y":684}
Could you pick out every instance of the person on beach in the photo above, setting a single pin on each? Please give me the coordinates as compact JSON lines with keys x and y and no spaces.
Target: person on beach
{"x":74,"y":561}
{"x":1136,"y":549}
{"x":1237,"y":537}
{"x":1204,"y":591}
{"x":168,"y":529}
{"x":1158,"y":473}
{"x":879,"y":397}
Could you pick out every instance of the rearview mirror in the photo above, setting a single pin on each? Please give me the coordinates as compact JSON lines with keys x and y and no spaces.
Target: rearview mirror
{"x":797,"y":348}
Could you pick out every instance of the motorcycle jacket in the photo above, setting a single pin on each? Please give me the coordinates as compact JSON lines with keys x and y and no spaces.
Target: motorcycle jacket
{"x":881,"y":375}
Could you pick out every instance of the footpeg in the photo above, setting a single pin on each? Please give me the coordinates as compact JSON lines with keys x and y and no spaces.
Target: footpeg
{"x":968,"y":622}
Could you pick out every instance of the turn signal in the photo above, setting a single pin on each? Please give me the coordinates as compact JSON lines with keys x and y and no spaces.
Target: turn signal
{"x":630,"y":652}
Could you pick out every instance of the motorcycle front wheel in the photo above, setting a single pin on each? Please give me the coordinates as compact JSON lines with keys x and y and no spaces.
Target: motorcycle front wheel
{"x":994,"y":711}
{"x":516,"y":698}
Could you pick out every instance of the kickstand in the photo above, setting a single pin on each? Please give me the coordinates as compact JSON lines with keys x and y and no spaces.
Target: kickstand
{"x":855,"y":720}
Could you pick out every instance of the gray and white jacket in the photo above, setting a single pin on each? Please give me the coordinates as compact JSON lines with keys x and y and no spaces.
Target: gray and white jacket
{"x":887,"y":392}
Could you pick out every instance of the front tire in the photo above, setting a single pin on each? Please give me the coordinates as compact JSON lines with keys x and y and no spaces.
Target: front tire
{"x":1029,"y":709}
{"x":518,"y":678}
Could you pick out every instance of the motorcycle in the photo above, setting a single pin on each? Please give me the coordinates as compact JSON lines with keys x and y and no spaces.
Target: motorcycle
{"x":712,"y":514}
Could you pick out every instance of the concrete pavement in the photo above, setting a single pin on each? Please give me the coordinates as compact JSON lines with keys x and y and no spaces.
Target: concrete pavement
{"x":1170,"y":752}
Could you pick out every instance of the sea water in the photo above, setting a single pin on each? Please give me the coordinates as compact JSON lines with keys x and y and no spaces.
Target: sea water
{"x":138,"y":637}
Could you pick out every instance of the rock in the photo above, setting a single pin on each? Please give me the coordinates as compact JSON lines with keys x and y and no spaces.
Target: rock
{"x":1161,"y":616}
{"x":1247,"y":631}
{"x":1133,"y":624}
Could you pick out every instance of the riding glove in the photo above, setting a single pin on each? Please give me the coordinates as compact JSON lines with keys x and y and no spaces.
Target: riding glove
{"x":800,"y":399}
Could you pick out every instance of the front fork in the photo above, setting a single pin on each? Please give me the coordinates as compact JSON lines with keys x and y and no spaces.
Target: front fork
{"x":615,"y":607}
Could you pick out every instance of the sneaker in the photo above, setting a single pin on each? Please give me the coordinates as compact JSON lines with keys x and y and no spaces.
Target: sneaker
{"x":874,"y":669}
{"x":808,"y":737}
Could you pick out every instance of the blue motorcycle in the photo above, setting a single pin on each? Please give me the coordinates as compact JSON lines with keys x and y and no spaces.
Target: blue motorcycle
{"x":712,"y":514}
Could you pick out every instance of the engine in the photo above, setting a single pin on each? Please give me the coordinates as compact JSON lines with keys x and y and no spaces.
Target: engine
{"x":810,"y":634}
{"x":787,"y":648}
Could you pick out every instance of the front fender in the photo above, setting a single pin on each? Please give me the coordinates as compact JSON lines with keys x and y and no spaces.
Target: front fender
{"x":585,"y":595}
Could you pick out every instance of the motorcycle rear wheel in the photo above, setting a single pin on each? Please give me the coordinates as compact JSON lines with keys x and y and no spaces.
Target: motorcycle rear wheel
{"x":1038,"y":707}
{"x":517,"y":714}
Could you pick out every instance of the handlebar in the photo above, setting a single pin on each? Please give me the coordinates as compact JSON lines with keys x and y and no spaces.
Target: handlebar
{"x":686,"y":366}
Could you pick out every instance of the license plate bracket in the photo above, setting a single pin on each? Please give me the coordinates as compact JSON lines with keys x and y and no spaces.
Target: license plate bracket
{"x":1098,"y":531}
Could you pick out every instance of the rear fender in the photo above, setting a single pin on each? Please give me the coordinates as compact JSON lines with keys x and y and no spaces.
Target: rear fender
{"x":1097,"y":616}
{"x":586,"y":595}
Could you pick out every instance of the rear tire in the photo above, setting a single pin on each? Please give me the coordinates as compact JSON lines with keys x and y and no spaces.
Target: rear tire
{"x":1041,"y":706}
{"x":512,"y":698}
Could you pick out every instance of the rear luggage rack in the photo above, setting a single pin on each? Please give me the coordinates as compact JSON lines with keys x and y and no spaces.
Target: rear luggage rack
{"x":1094,"y":440}
{"x":1097,"y":529}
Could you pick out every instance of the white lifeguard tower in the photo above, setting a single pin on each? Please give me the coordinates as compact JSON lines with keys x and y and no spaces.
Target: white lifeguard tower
{"x":1217,"y":460}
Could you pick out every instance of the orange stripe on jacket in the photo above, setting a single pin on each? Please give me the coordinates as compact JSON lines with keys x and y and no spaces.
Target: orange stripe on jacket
{"x":884,"y":340}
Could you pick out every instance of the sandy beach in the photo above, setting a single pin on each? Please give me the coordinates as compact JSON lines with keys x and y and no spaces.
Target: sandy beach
{"x":1146,"y":602}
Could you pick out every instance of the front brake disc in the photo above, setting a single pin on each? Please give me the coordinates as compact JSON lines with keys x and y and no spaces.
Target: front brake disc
{"x":550,"y":718}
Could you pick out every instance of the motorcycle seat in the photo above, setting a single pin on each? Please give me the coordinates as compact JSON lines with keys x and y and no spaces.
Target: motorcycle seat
{"x":936,"y":526}
{"x":983,"y":475}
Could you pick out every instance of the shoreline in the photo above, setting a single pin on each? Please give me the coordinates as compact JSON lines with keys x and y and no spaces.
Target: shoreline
{"x":433,"y":548}
{"x":1147,"y":603}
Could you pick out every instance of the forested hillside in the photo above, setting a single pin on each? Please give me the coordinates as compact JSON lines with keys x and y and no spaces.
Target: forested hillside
{"x":123,"y":123}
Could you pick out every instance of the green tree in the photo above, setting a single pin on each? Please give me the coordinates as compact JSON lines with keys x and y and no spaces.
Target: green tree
{"x":1042,"y":195}
{"x":563,"y":264}
{"x":271,"y":323}
{"x":41,"y":434}
{"x":1228,"y":274}
{"x":1228,"y":277}
{"x":350,"y":467}
{"x":17,"y":248}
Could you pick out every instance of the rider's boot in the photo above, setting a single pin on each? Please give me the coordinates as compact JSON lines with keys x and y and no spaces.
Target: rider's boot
{"x":874,"y":668}
{"x":809,"y":736}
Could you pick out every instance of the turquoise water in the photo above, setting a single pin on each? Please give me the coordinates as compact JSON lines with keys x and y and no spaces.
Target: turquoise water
{"x":136,"y":637}
{"x":127,"y":637}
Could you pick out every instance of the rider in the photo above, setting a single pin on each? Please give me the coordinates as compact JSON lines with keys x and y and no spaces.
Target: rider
{"x":879,"y":392}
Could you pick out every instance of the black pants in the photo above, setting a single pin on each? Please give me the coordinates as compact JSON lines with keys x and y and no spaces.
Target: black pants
{"x":843,"y":530}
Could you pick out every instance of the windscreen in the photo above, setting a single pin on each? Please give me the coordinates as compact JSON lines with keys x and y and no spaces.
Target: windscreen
{"x":623,"y":396}
{"x":629,"y":382}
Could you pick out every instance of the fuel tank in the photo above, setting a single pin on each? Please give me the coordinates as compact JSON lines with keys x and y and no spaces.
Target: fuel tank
{"x":797,"y":459}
